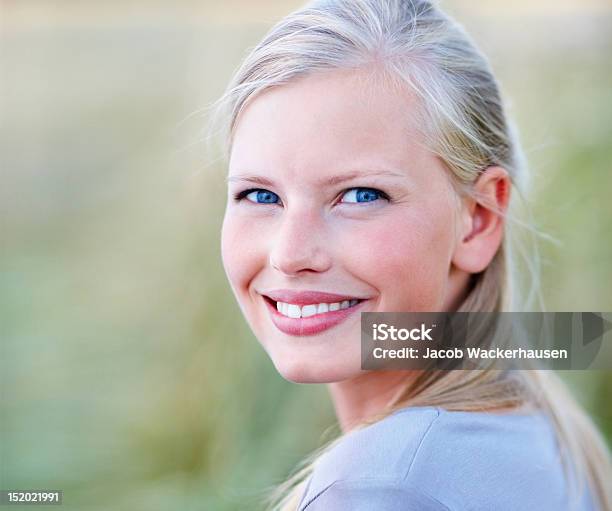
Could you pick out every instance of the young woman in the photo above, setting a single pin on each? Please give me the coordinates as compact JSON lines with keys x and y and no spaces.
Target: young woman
{"x":371,"y":166}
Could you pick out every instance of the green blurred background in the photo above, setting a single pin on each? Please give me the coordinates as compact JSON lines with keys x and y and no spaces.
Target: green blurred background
{"x":128,"y":377}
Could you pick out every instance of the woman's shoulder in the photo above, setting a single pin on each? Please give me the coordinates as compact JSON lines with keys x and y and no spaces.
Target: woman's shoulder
{"x":431,"y":458}
{"x":371,"y":455}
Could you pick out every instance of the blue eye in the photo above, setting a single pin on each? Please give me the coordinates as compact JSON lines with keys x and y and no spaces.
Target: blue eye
{"x":356,"y":195}
{"x":360,"y":195}
{"x":259,"y":196}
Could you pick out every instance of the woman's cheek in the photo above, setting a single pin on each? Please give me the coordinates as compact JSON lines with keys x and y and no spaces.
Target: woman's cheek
{"x":396,"y":259}
{"x":235,"y":247}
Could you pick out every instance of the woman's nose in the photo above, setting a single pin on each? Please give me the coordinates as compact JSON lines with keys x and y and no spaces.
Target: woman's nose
{"x":300,"y":243}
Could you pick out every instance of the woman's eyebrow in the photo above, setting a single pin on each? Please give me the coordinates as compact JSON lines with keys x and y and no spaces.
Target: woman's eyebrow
{"x":330,"y":181}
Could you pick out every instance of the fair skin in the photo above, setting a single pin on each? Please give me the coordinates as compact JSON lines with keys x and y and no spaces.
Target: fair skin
{"x":412,"y":252}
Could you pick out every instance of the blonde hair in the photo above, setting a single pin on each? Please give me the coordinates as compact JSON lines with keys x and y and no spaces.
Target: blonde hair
{"x":413,"y":43}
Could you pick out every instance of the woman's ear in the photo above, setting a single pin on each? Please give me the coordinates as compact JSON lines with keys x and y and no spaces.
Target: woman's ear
{"x":482,"y":221}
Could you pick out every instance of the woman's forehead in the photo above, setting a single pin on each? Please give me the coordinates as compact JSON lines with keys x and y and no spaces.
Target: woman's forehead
{"x":335,"y":96}
{"x":335,"y":119}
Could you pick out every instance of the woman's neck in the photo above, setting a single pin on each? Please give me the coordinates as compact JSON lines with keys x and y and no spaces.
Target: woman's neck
{"x":366,"y":395}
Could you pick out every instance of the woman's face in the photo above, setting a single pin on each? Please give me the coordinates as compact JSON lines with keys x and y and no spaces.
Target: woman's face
{"x":337,"y":195}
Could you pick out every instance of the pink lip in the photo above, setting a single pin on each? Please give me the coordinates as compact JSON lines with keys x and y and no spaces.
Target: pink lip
{"x":311,"y":325}
{"x":306,"y":297}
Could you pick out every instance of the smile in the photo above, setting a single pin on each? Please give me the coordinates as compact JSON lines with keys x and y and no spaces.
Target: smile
{"x":310,"y":319}
{"x":292,"y":310}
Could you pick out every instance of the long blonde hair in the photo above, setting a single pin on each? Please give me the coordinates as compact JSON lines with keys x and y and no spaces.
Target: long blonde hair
{"x":414,"y":44}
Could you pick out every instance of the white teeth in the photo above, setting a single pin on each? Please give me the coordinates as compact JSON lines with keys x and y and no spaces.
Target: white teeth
{"x":295,"y":311}
{"x":309,"y":310}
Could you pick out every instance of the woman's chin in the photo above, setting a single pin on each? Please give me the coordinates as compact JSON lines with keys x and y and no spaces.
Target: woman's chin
{"x":312,"y":372}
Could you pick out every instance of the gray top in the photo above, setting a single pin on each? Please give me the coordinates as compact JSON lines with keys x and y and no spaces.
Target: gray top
{"x":427,"y":458}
